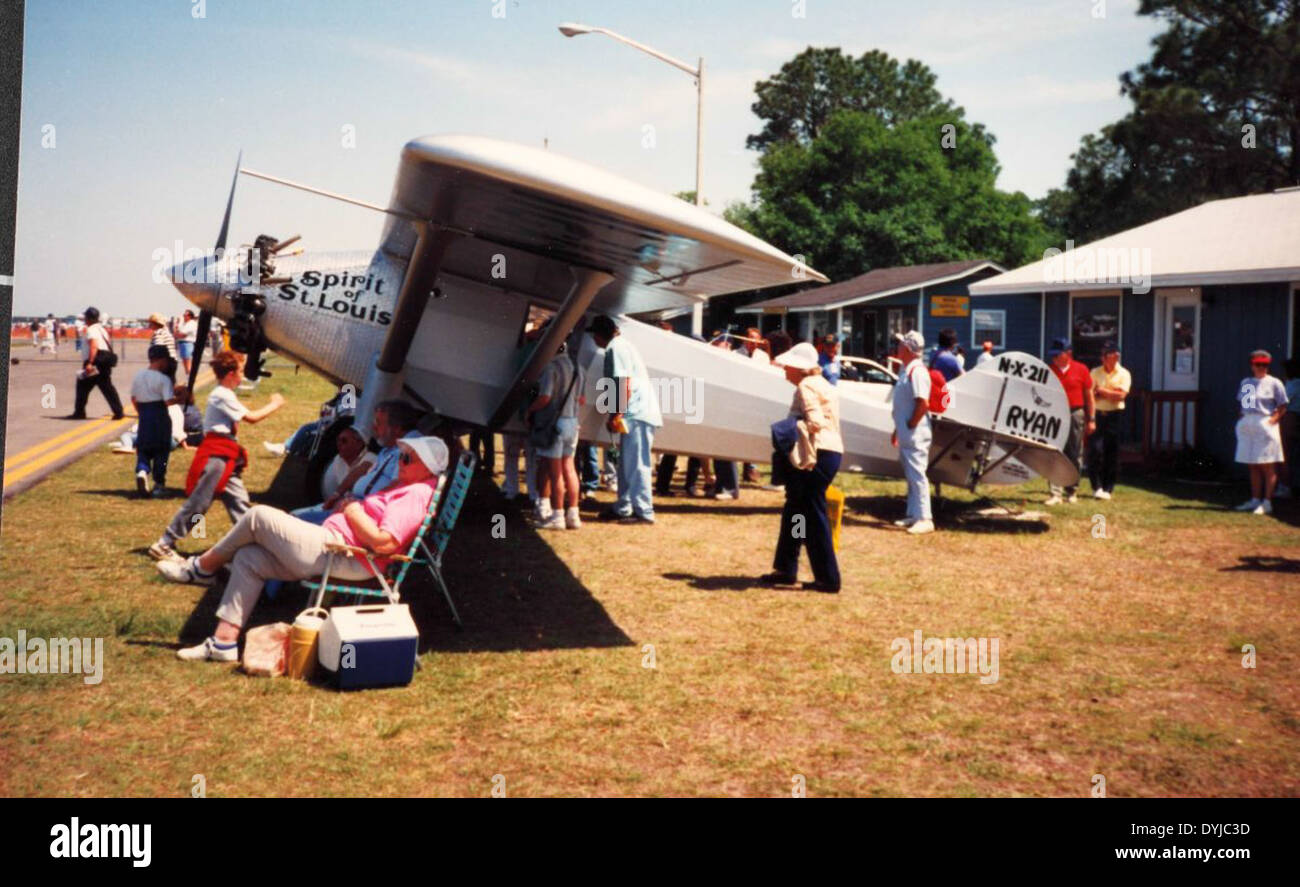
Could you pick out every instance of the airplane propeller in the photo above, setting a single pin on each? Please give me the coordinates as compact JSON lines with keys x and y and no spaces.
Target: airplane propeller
{"x":205,"y":316}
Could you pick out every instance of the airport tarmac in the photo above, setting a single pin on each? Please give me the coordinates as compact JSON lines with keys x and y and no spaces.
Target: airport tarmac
{"x":38,"y":440}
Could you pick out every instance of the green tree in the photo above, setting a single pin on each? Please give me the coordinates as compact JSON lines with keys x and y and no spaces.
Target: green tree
{"x":798,"y":100}
{"x":864,"y":193}
{"x":1216,"y":113}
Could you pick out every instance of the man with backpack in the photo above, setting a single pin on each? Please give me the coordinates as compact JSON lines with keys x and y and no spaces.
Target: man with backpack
{"x":911,"y":407}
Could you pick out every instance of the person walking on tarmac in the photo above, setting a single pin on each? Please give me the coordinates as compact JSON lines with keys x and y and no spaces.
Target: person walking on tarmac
{"x":97,"y":370}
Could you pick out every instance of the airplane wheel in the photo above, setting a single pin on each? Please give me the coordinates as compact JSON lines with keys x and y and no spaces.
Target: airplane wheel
{"x":325,"y":454}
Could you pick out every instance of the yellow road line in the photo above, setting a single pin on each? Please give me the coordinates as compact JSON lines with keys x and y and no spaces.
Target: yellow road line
{"x":40,"y":455}
{"x":70,"y":447}
{"x":33,"y":451}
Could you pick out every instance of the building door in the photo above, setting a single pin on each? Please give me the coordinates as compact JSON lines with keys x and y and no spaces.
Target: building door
{"x":1180,"y":365}
{"x":1182,"y":341}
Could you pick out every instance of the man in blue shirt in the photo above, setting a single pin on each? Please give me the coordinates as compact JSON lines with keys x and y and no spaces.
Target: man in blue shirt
{"x":394,"y":419}
{"x":828,"y":357}
{"x":945,"y":359}
{"x":636,"y":406}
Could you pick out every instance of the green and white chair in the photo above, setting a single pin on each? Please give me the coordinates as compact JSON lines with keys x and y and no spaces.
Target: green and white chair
{"x":427,"y":548}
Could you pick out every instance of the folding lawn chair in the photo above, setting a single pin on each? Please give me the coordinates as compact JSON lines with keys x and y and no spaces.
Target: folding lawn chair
{"x":451,"y":497}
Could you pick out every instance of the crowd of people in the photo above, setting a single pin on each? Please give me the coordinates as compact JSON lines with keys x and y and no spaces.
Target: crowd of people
{"x":376,"y":492}
{"x":373,"y":501}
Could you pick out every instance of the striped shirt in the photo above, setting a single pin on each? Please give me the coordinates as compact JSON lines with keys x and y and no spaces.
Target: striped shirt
{"x":164,"y":337}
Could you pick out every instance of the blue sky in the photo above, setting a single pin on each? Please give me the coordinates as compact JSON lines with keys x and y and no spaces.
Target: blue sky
{"x":150,"y":105}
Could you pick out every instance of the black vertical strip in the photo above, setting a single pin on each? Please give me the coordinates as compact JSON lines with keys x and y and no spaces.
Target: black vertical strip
{"x":11,"y":91}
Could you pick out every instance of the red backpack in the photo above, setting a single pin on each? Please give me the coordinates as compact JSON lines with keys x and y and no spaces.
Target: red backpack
{"x":940,"y":396}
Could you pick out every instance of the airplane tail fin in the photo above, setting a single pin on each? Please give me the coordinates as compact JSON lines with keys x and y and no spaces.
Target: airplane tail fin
{"x":1009,"y":410}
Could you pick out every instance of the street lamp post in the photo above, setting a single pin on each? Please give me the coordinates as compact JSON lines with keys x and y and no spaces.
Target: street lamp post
{"x":573,"y":29}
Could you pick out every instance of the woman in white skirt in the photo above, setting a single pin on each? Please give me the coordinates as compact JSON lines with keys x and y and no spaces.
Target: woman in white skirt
{"x":1262,"y":400}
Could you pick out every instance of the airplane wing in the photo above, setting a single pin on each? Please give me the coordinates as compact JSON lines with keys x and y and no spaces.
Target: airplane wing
{"x":529,"y":214}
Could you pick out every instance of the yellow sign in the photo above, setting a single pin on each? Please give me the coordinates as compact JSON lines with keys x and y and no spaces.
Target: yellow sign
{"x":950,"y":306}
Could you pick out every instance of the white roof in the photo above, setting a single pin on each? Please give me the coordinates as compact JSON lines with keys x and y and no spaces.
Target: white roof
{"x":1254,"y":239}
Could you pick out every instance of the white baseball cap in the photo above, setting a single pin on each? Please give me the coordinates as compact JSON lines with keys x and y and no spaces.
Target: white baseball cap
{"x":802,"y":357}
{"x":912,"y":339}
{"x":429,"y":450}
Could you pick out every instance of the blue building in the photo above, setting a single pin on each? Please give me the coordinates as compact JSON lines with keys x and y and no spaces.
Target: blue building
{"x":1187,"y":298}
{"x":867,"y":310}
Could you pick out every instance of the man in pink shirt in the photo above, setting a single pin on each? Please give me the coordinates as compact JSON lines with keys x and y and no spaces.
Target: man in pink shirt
{"x":267,"y":543}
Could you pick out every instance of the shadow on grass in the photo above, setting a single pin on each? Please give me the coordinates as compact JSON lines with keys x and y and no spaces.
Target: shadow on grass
{"x":671,"y":507}
{"x":717,"y":583}
{"x":950,"y":515}
{"x":1264,"y":564}
{"x":513,"y":593}
{"x":1214,"y":497}
{"x":731,"y":583}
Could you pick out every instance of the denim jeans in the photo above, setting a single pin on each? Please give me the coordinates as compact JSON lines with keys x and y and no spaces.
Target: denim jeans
{"x":635,"y":471}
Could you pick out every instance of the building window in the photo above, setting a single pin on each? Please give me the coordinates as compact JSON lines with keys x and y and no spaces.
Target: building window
{"x":1094,"y":321}
{"x":901,"y":320}
{"x":988,"y":326}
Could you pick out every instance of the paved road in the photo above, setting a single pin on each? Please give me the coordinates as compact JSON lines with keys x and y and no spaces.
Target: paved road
{"x":37,"y":440}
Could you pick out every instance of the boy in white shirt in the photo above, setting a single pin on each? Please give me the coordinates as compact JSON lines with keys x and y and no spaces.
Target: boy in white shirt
{"x":151,"y":394}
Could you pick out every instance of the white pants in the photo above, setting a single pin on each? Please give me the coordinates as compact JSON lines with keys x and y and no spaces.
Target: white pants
{"x":914,"y":453}
{"x":266,"y":543}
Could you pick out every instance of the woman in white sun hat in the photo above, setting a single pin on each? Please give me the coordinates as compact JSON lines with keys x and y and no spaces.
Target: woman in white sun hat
{"x":267,"y":543}
{"x":1262,"y":402}
{"x":816,"y":406}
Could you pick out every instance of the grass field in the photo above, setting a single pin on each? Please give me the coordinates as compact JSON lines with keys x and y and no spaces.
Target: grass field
{"x":1119,"y":656}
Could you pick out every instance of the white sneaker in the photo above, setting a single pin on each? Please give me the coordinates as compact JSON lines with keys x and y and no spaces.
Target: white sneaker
{"x":553,"y":521}
{"x":572,"y":520}
{"x":1072,"y":499}
{"x":209,"y":651}
{"x":724,"y":495}
{"x":186,"y":571}
{"x":921,"y":527}
{"x":275,"y":449}
{"x":161,"y":551}
{"x":905,"y":522}
{"x":1101,"y":494}
{"x":1249,"y":505}
{"x":1054,"y":500}
{"x":773,"y":488}
{"x":142,"y":482}
{"x":1265,"y":507}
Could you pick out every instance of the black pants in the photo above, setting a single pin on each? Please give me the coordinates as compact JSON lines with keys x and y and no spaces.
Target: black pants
{"x":724,"y":478}
{"x":482,"y":443}
{"x":805,"y":495}
{"x":668,"y":465}
{"x":780,"y":468}
{"x":104,"y":382}
{"x":1103,"y":451}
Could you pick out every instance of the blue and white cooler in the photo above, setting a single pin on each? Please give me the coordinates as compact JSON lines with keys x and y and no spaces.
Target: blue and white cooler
{"x":369,"y":646}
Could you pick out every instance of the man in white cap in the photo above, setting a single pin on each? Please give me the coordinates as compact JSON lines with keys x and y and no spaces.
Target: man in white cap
{"x":266,"y":543}
{"x":911,"y":435}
